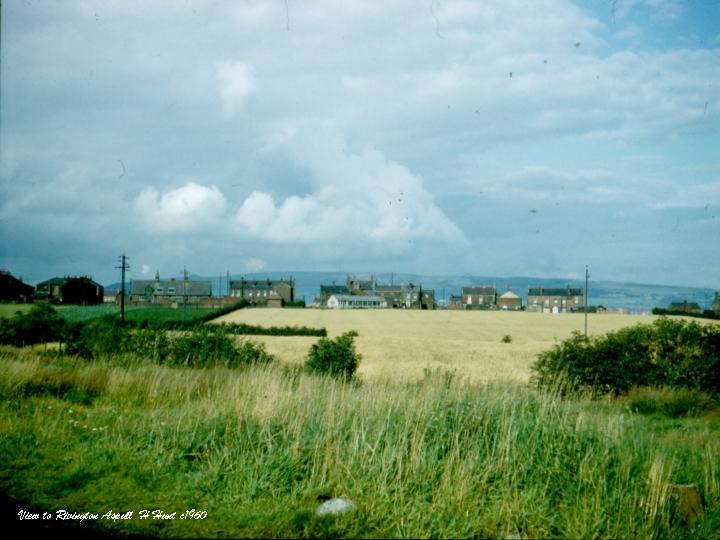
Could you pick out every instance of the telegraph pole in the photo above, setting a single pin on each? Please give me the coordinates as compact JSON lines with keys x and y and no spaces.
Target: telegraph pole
{"x":185,"y":280}
{"x":123,"y":266}
{"x":587,"y":276}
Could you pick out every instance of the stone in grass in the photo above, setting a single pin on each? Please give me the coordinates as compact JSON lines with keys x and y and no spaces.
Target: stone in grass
{"x":335,"y":506}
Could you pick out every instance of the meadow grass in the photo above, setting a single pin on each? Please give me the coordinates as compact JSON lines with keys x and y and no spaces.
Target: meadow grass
{"x":260,"y":448}
{"x":9,"y":310}
{"x":73,"y":313}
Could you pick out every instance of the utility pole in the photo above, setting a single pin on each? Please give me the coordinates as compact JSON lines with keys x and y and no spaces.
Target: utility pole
{"x":587,"y":276}
{"x":123,"y":266}
{"x":185,"y":280}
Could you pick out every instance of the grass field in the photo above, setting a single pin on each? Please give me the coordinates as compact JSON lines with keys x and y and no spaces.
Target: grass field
{"x":132,"y":313}
{"x":423,"y":453}
{"x":401,"y":344}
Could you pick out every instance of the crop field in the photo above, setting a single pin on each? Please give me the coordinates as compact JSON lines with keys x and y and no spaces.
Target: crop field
{"x":399,"y":344}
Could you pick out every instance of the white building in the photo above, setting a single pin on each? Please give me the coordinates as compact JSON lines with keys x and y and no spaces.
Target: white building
{"x":347,"y":301}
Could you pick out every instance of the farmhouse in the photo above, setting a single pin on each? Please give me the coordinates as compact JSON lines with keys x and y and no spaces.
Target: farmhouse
{"x":509,"y":301}
{"x":168,"y":291}
{"x":13,"y":289}
{"x":484,"y":297}
{"x":52,"y":289}
{"x":555,"y":300}
{"x":356,"y":301}
{"x":264,"y":292}
{"x":691,"y":308}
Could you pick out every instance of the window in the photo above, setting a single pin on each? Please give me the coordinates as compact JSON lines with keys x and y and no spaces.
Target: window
{"x":158,"y":290}
{"x":171,"y":290}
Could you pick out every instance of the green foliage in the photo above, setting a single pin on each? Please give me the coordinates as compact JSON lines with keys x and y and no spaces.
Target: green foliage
{"x":673,"y":353}
{"x":336,"y":357}
{"x":207,"y":346}
{"x":295,"y":304}
{"x":203,"y":345}
{"x":104,"y":336}
{"x":250,"y":330}
{"x":507,"y":338}
{"x":672,"y":402}
{"x":39,"y":325}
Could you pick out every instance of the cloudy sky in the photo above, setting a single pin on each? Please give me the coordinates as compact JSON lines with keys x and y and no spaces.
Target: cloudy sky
{"x":493,"y":137}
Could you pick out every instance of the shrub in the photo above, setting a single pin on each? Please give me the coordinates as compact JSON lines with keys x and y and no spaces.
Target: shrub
{"x":207,"y":346}
{"x":39,"y":325}
{"x":102,"y":336}
{"x":336,"y":357}
{"x":506,"y":338}
{"x":671,"y":353}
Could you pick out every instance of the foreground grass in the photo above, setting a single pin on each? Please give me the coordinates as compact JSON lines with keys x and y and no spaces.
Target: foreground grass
{"x":259,"y":449}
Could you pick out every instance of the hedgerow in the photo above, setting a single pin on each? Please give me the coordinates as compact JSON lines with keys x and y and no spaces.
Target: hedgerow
{"x":671,"y":353}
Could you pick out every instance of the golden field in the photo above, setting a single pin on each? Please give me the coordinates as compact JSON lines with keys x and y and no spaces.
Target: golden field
{"x":400,"y":344}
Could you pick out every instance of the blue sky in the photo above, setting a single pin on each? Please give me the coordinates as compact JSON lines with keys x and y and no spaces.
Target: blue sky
{"x":445,"y":137}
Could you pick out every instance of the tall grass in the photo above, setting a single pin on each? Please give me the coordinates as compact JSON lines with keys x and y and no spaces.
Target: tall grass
{"x":260,"y":448}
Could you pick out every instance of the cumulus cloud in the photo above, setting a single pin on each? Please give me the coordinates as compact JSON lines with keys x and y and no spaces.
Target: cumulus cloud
{"x":190,"y":208}
{"x":235,"y":83}
{"x":360,"y":197}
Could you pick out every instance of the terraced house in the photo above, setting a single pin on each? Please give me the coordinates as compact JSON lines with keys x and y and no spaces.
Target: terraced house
{"x":555,"y":300}
{"x":482,"y":297}
{"x":264,"y":292}
{"x":169,"y":291}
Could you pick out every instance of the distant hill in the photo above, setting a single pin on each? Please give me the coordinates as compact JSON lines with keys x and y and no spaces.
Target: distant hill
{"x":634,"y":297}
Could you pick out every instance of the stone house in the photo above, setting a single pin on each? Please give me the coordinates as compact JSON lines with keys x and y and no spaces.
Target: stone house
{"x":555,"y":300}
{"x":402,"y":296}
{"x":263,"y":292}
{"x":509,"y":301}
{"x":169,"y":291}
{"x":483,"y":297}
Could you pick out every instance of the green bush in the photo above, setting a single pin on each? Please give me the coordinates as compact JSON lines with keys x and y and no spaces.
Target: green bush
{"x":507,"y":338}
{"x":97,"y":337}
{"x":336,"y":357}
{"x":208,"y":346}
{"x":39,"y":325}
{"x":673,"y":353}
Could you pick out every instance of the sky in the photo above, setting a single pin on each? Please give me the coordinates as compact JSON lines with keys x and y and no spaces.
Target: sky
{"x":444,"y":137}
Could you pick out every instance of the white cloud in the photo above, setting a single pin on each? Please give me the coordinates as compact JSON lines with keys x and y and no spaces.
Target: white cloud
{"x":187,"y":209}
{"x":235,"y":83}
{"x":360,"y":198}
{"x":145,"y":270}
